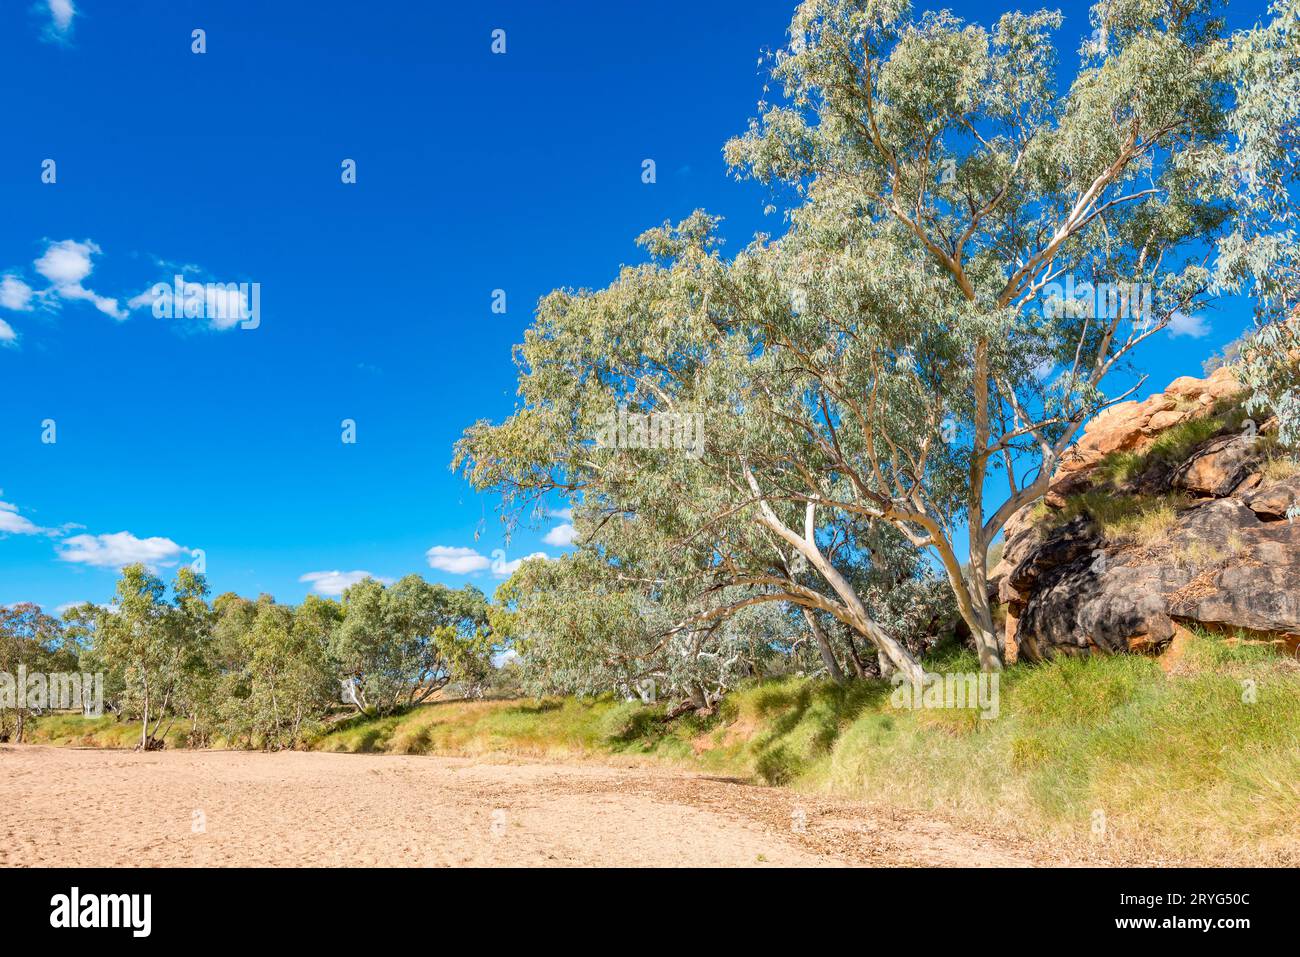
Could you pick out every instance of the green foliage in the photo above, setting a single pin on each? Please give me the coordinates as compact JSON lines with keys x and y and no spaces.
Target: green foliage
{"x":34,"y":641}
{"x":401,"y":643}
{"x":580,"y":627}
{"x":277,"y":680}
{"x":903,"y":341}
{"x":1258,"y":255}
{"x":157,"y":647}
{"x":255,"y":673}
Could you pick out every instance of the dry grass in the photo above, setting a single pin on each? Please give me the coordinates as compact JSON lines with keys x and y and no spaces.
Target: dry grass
{"x":1279,"y":467}
{"x":1139,"y":520}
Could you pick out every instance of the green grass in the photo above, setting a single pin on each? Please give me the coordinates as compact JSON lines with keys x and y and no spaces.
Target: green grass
{"x":1124,"y":514}
{"x":1184,"y":767}
{"x":553,"y":727}
{"x":75,"y":731}
{"x":1121,"y":519}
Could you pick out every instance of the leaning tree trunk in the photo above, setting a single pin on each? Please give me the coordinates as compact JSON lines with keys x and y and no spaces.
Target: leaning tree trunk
{"x":823,"y":646}
{"x":887,"y":668}
{"x":855,"y":657}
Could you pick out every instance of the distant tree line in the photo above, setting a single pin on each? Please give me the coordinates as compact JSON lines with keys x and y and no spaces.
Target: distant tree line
{"x":255,"y":673}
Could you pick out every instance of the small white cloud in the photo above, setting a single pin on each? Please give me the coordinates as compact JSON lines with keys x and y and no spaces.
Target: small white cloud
{"x":335,"y":583}
{"x":120,"y":549}
{"x":564,"y":514}
{"x":504,"y":569}
{"x":7,"y":333}
{"x":65,"y":264}
{"x":224,"y":305}
{"x":1181,"y":324}
{"x":15,"y":294}
{"x":456,"y":560}
{"x":11,"y":523}
{"x":61,"y":13}
{"x":146,"y":298}
{"x":105,"y":304}
{"x":560,"y":535}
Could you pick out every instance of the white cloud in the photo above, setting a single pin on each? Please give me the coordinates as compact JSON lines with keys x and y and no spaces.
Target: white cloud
{"x":456,"y":560}
{"x":224,"y":305}
{"x":7,"y":333}
{"x":105,"y":304}
{"x":61,"y":14}
{"x":560,"y":535}
{"x":15,"y":294}
{"x":65,"y":264}
{"x":11,"y":523}
{"x":566,"y":514}
{"x":504,"y":569}
{"x":1181,"y":324}
{"x":335,"y":583}
{"x":120,"y":549}
{"x":145,"y":298}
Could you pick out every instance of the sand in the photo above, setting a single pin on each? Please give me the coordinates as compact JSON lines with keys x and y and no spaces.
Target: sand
{"x":76,"y":807}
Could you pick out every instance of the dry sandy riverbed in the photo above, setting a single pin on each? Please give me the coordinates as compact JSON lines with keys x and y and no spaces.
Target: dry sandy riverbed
{"x":73,"y":807}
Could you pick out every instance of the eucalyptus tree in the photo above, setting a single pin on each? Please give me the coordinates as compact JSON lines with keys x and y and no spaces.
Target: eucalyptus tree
{"x":32,"y":641}
{"x":970,"y":262}
{"x":398,"y":644}
{"x":157,"y":646}
{"x":941,"y":154}
{"x":80,"y":630}
{"x":1259,"y":256}
{"x":582,"y":625}
{"x":652,"y":403}
{"x":277,"y":679}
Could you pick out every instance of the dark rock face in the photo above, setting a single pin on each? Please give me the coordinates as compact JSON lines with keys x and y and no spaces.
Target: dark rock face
{"x":1230,"y":560}
{"x":1222,"y":566}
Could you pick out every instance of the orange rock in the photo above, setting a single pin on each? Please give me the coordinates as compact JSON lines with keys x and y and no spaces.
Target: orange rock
{"x":1218,"y":468}
{"x":1011,"y":648}
{"x":1163,"y":420}
{"x":1132,"y":426}
{"x":1176,"y":648}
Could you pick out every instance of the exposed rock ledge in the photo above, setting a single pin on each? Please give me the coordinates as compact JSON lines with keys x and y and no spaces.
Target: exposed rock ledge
{"x":1217,"y":549}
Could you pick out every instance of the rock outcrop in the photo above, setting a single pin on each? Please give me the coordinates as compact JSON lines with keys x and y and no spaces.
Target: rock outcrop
{"x":1167,"y":512}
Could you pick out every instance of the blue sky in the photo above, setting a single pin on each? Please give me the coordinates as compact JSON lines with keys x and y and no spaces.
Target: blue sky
{"x":475,"y":172}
